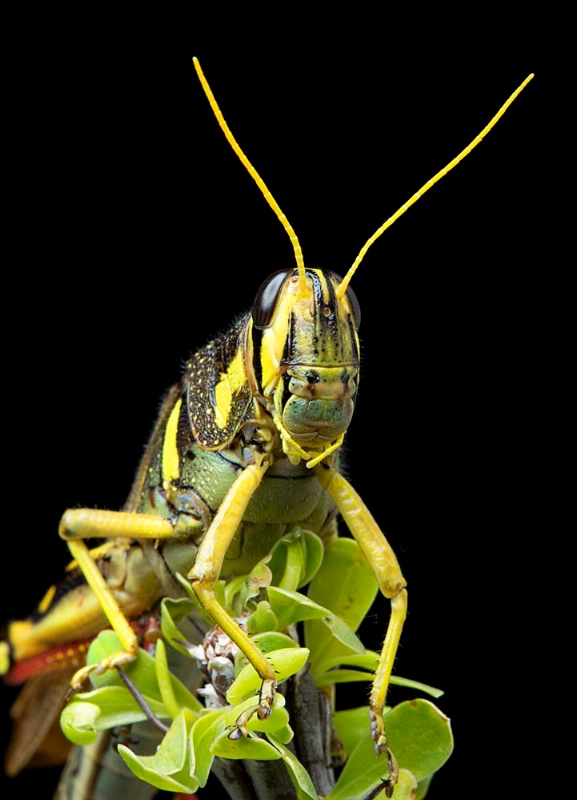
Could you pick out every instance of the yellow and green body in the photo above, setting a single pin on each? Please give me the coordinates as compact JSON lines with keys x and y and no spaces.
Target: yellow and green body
{"x":244,"y":451}
{"x":225,"y":476}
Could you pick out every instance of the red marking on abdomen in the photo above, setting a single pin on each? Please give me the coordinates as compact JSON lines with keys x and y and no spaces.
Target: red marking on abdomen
{"x":65,"y":656}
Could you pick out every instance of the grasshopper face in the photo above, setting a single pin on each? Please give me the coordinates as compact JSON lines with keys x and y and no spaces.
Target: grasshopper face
{"x":306,"y":355}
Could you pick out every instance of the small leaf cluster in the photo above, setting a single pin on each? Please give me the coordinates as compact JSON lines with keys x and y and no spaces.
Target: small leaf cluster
{"x":339,"y":589}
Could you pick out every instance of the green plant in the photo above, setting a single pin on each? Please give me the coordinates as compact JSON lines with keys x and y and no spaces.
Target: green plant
{"x":338,"y":590}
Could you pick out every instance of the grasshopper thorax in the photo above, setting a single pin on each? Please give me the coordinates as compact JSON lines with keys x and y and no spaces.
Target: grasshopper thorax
{"x":305,"y":358}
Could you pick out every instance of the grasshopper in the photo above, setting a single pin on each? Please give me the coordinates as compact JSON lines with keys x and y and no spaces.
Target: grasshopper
{"x":245,"y":449}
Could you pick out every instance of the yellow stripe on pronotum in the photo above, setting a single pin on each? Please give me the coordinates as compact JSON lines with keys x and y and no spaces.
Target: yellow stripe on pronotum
{"x":170,"y":455}
{"x":230,"y":382}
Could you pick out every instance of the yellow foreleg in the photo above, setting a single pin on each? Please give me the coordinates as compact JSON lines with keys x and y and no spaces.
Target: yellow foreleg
{"x":381,"y":557}
{"x":206,"y":571}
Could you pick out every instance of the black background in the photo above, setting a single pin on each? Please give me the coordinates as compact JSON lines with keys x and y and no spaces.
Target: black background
{"x":136,"y":235}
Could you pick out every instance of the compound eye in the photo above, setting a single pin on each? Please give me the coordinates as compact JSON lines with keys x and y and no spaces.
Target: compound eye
{"x":265,"y":301}
{"x":353,"y":301}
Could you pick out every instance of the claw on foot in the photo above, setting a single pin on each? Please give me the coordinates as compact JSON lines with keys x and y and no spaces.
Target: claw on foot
{"x":236,"y":733}
{"x":116,"y":660}
{"x":262,"y":710}
{"x":266,"y":699}
{"x":381,"y":746}
{"x":78,"y":679}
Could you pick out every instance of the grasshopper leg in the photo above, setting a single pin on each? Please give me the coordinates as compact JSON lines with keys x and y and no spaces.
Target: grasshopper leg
{"x":206,"y":571}
{"x":85,"y":523}
{"x":381,"y":557}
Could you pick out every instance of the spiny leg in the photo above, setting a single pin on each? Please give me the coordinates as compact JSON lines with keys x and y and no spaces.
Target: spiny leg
{"x":381,"y":557}
{"x":86,"y":523}
{"x":205,"y":574}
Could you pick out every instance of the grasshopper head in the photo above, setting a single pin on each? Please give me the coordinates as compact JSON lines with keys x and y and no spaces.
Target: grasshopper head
{"x":306,"y":359}
{"x":305,"y":322}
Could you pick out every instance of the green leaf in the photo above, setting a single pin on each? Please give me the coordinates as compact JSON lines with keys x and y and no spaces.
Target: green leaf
{"x":287,"y":561}
{"x":299,"y":776}
{"x":272,"y":640}
{"x":286,"y":662}
{"x":141,"y":672}
{"x":421,"y":687}
{"x":406,"y":787}
{"x":262,"y":619}
{"x":219,"y":590}
{"x":345,"y":582}
{"x":423,"y":788}
{"x":420,"y":737}
{"x":277,"y":720}
{"x":171,"y":613}
{"x":148,"y":774}
{"x":109,"y":707}
{"x":353,"y":676}
{"x":369,"y":661}
{"x":231,"y":592}
{"x":170,"y":756}
{"x":204,"y":732}
{"x":343,"y":634}
{"x":164,"y":681}
{"x":284,"y":734}
{"x":342,"y":676}
{"x":346,"y":585}
{"x":78,"y":722}
{"x":292,"y":607}
{"x":351,"y":726}
{"x":295,"y":559}
{"x":315,"y":554}
{"x":249,"y":747}
{"x":259,"y":578}
{"x":169,"y":768}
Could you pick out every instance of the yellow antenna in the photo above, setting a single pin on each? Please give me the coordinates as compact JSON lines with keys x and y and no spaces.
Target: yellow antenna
{"x":256,"y":177}
{"x":342,"y":287}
